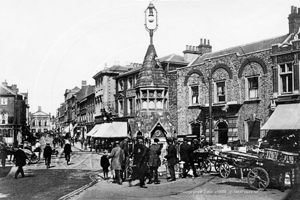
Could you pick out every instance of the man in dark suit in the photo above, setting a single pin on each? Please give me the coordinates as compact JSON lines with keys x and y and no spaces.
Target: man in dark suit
{"x":154,"y":161}
{"x":186,"y":155}
{"x":171,"y":158}
{"x":140,"y":160}
{"x":20,"y":157}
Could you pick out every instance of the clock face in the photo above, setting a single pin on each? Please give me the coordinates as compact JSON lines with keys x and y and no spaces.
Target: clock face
{"x":157,"y":133}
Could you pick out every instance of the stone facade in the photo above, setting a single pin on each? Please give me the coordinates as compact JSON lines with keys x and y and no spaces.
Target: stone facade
{"x":232,"y":68}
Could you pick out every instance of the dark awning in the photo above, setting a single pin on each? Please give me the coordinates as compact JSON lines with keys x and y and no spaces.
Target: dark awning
{"x":285,"y":117}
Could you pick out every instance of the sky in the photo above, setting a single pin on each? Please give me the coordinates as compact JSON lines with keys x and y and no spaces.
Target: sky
{"x":48,"y":46}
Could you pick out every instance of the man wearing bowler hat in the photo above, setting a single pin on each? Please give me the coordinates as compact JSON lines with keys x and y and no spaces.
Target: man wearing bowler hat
{"x":154,"y":161}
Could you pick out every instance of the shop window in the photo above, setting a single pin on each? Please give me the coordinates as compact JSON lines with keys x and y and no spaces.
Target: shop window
{"x":4,"y":118}
{"x":286,"y":78}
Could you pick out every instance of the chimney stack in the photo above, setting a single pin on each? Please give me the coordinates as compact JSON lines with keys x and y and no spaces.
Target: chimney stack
{"x":294,"y":20}
{"x":83,"y":83}
{"x":39,"y":108}
{"x":193,"y":51}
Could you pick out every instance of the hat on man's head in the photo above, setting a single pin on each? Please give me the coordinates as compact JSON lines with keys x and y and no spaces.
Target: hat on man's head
{"x":156,"y":140}
{"x":185,"y":139}
{"x":117,"y":142}
{"x":169,"y":139}
{"x":139,"y":137}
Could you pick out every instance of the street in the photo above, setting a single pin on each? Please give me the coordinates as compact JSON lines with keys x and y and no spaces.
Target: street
{"x":82,"y":179}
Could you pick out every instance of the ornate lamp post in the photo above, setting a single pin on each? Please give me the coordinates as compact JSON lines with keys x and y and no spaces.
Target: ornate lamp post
{"x":151,"y":20}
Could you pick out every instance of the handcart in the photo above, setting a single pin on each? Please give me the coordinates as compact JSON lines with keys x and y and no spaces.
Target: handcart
{"x":272,"y":165}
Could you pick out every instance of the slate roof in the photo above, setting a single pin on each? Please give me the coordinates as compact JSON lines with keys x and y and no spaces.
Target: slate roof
{"x":84,"y":92}
{"x":115,"y":69}
{"x":242,"y":49}
{"x":173,"y":58}
{"x":151,"y":73}
{"x":134,"y":70}
{"x":6,"y":91}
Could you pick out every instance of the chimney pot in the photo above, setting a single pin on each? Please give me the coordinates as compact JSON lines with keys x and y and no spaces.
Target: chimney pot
{"x":292,"y":9}
{"x":201,"y":41}
{"x":204,"y":41}
{"x":208,"y":42}
{"x":295,"y":9}
{"x":187,"y":47}
{"x":298,"y":10}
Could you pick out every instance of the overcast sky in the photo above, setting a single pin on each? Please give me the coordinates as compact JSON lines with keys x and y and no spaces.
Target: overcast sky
{"x":48,"y":46}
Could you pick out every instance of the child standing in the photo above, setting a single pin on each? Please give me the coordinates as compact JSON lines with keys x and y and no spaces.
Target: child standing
{"x":104,"y":162}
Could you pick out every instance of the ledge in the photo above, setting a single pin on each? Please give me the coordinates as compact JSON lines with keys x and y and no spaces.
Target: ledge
{"x":249,"y":101}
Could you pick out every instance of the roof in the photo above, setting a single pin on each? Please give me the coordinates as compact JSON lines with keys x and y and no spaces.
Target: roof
{"x":173,"y":58}
{"x":132,"y":71}
{"x":115,"y":69}
{"x":242,"y":49}
{"x":285,"y":117}
{"x":39,"y":113}
{"x":6,"y":91}
{"x":85,"y":91}
{"x":151,"y":73}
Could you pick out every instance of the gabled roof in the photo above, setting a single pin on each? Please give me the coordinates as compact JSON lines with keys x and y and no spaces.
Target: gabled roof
{"x":242,"y":49}
{"x":173,"y":58}
{"x":6,"y":91}
{"x":39,"y":113}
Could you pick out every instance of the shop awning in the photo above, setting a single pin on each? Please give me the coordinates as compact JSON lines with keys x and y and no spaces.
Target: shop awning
{"x":285,"y":117}
{"x":112,"y":130}
{"x":94,"y":130}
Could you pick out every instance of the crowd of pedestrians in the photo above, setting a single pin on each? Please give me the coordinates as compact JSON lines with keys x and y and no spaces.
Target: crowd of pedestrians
{"x":146,"y":159}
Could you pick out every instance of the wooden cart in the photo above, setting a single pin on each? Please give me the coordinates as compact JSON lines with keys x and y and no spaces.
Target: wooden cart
{"x":270,"y":165}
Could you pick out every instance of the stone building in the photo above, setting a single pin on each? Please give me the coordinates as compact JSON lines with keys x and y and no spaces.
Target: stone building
{"x":246,"y":81}
{"x":14,"y":113}
{"x":40,"y":122}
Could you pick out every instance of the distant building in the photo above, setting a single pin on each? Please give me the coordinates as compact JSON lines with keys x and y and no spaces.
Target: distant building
{"x":40,"y":122}
{"x":14,"y":110}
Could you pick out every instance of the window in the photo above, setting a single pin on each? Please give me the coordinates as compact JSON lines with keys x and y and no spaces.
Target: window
{"x":130,"y":107}
{"x":3,"y":101}
{"x":45,"y":123}
{"x":220,"y":91}
{"x":121,"y":108}
{"x":286,"y":78}
{"x":121,"y":85}
{"x":40,"y":123}
{"x":194,"y":95}
{"x":101,"y":81}
{"x":130,"y":83}
{"x":4,"y":118}
{"x":254,"y":130}
{"x":252,"y":92}
{"x":33,"y":123}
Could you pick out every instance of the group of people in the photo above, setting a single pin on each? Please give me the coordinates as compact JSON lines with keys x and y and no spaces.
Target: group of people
{"x":146,"y":160}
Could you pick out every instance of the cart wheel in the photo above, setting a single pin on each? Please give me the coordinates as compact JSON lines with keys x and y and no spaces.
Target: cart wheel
{"x":258,"y":178}
{"x":224,"y":170}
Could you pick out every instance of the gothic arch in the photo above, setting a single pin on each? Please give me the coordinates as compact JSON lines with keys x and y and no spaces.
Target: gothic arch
{"x":249,"y":60}
{"x":193,"y":71}
{"x":223,"y":66}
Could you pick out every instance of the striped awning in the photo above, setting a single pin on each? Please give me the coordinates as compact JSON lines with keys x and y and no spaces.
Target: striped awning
{"x":285,"y":117}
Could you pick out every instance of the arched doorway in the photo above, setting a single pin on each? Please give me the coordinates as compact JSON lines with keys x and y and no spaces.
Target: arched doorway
{"x":222,"y":132}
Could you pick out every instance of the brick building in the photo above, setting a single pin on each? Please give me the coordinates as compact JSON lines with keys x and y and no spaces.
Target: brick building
{"x":14,"y":113}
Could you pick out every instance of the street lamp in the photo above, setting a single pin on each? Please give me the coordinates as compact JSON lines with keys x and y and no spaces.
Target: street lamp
{"x":151,"y":20}
{"x":210,"y":104}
